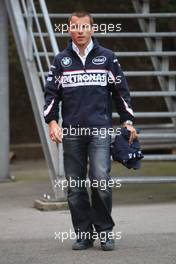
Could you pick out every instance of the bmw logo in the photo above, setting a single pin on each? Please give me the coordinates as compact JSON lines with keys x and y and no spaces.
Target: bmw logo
{"x":66,"y":61}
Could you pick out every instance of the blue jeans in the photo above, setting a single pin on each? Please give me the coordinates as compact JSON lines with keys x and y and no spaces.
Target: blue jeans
{"x":94,"y":213}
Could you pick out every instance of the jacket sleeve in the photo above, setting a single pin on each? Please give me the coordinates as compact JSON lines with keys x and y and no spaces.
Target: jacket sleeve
{"x":52,"y":92}
{"x":120,"y":91}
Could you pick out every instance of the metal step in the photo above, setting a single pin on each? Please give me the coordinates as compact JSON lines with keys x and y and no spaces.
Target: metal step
{"x":153,"y":94}
{"x":142,"y":73}
{"x":149,"y":73}
{"x":146,"y":53}
{"x":144,"y":179}
{"x":169,"y":127}
{"x":118,"y":35}
{"x":160,"y":136}
{"x":160,"y":157}
{"x":150,"y":114}
{"x":128,"y":54}
{"x":115,"y":15}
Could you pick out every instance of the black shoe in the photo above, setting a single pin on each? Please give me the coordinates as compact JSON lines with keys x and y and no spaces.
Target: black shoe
{"x":80,"y":244}
{"x":108,"y":245}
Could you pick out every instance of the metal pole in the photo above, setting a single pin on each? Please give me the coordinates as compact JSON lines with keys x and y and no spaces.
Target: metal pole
{"x":4,"y":95}
{"x":29,"y":27}
{"x":49,"y":27}
{"x":56,"y":51}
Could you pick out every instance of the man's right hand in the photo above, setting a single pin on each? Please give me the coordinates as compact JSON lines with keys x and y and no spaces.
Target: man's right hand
{"x":55,"y":132}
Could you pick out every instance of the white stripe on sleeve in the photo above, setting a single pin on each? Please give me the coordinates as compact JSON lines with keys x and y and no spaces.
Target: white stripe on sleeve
{"x":128,"y":109}
{"x":46,"y":112}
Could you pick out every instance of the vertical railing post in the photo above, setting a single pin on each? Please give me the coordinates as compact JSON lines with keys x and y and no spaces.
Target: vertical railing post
{"x":29,"y":29}
{"x":4,"y":95}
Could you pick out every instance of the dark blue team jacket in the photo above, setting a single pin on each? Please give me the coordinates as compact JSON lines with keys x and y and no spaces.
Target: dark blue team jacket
{"x":86,"y":91}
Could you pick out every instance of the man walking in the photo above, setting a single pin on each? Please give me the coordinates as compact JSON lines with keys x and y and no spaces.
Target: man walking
{"x":85,"y":77}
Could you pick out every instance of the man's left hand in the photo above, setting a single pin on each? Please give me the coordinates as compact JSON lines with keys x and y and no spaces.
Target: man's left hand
{"x":133,"y":134}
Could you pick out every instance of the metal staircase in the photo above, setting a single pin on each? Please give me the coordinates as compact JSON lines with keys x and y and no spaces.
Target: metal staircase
{"x":36,"y":42}
{"x":22,"y":15}
{"x":159,"y":58}
{"x":160,"y":135}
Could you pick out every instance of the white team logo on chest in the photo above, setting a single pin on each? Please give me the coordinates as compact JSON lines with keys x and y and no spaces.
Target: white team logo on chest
{"x":99,"y":60}
{"x":66,"y":61}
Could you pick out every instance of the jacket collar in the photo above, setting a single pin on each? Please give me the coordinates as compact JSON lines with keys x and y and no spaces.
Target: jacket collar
{"x":95,"y":43}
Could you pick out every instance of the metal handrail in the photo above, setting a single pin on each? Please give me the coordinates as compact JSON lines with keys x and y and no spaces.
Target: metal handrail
{"x":38,"y":58}
{"x":49,"y":27}
{"x":24,"y":8}
{"x":40,"y":32}
{"x":39,"y":64}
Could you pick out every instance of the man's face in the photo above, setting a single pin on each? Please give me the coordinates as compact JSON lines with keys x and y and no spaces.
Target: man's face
{"x":80,"y":30}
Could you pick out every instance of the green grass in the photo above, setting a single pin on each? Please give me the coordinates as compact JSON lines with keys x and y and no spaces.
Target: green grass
{"x":145,"y":193}
{"x":159,"y":168}
{"x":36,"y":171}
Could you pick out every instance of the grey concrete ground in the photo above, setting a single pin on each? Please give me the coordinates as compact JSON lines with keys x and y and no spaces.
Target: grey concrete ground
{"x":28,"y":235}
